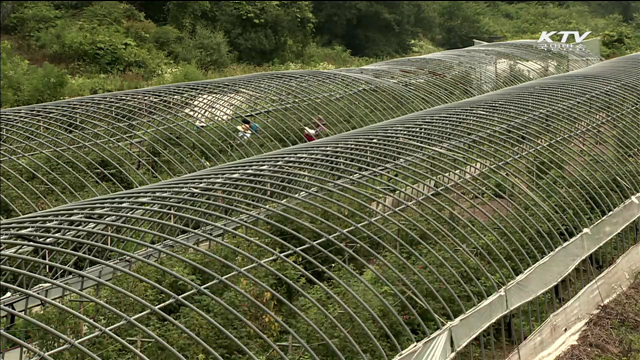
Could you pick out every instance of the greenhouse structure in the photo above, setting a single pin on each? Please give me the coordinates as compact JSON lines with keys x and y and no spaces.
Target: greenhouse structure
{"x":457,"y":201}
{"x":56,"y":153}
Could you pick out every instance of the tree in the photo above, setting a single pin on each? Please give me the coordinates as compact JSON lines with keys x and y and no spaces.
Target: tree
{"x":29,"y":17}
{"x":258,"y":31}
{"x":24,"y":84}
{"x":372,"y":28}
{"x":206,"y":48}
{"x":626,"y":9}
{"x":618,"y":39}
{"x":459,"y":22}
{"x":186,"y":15}
{"x":6,"y":9}
{"x":155,"y":11}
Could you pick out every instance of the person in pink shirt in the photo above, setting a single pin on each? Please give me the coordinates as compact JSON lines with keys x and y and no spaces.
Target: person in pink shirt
{"x":318,"y":128}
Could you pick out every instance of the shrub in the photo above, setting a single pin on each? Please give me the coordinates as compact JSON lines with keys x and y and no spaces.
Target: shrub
{"x":374,"y":28}
{"x":212,"y":50}
{"x":104,"y":49}
{"x":13,"y":70}
{"x":46,"y":83}
{"x":108,"y":13}
{"x":336,"y":55}
{"x":184,"y":73}
{"x":31,"y":17}
{"x":140,"y":31}
{"x":261,"y":31}
{"x":423,"y":46}
{"x":24,"y":84}
{"x":619,"y":39}
{"x":7,"y":8}
{"x":99,"y":84}
{"x":206,"y":48}
{"x":165,"y":37}
{"x":459,"y":22}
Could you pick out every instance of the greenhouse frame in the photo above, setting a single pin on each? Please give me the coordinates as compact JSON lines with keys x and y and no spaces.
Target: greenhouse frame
{"x":450,"y":232}
{"x":66,"y":151}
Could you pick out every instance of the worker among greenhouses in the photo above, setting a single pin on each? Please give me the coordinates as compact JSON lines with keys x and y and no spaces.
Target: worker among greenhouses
{"x":199,"y":124}
{"x":244,"y":131}
{"x":255,"y":128}
{"x":318,"y":128}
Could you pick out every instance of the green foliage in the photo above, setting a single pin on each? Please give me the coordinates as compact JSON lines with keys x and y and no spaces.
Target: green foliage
{"x":336,"y":56}
{"x":24,"y":84}
{"x":459,"y":22}
{"x":462,"y":258}
{"x":182,"y":74}
{"x":619,"y":39}
{"x":627,"y":10}
{"x":98,"y":49}
{"x":423,"y":46}
{"x":110,"y":46}
{"x":165,"y":37}
{"x":186,"y":15}
{"x":30,"y":17}
{"x":7,"y":8}
{"x":115,"y":13}
{"x":99,"y":84}
{"x":110,"y":38}
{"x":263,"y":31}
{"x":153,"y":10}
{"x":527,"y":21}
{"x":372,"y":28}
{"x":258,"y":32}
{"x":208,"y":49}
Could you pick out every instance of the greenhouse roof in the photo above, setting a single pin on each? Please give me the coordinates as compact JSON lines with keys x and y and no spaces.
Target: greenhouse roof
{"x":358,"y":245}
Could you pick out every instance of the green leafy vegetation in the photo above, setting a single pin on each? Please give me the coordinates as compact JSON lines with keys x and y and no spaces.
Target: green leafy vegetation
{"x":473,"y":257}
{"x":91,"y":150}
{"x":441,"y":250}
{"x":91,"y":47}
{"x":56,"y":50}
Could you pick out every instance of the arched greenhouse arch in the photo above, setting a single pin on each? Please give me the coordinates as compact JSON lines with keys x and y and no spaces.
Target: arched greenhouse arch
{"x":359,"y":245}
{"x":65,"y":151}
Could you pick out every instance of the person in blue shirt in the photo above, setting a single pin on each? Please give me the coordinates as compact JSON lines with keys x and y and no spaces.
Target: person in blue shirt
{"x":255,"y":128}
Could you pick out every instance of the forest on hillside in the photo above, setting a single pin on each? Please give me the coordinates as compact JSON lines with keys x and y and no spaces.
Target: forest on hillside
{"x":53,"y":50}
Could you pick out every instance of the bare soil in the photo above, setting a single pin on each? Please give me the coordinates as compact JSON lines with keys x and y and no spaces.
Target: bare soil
{"x":613,"y":333}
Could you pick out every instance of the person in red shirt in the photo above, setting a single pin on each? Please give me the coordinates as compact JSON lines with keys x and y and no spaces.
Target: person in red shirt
{"x":318,"y":127}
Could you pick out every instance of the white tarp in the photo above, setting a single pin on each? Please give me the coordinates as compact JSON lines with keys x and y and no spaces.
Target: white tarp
{"x":550,"y":339}
{"x":539,"y":278}
{"x":436,"y":347}
{"x":206,"y":109}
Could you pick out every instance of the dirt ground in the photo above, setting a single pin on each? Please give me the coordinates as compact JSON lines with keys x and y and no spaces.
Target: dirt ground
{"x":613,"y":333}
